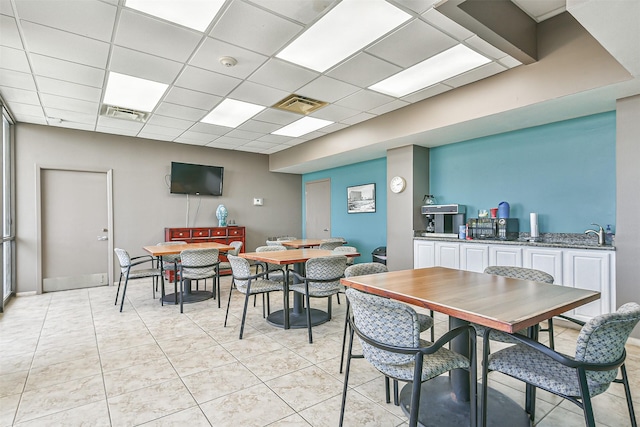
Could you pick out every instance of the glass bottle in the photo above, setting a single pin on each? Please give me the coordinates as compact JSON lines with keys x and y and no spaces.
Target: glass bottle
{"x":429,"y":200}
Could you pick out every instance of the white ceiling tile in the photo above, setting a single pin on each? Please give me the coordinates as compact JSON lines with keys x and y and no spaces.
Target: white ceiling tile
{"x":110,"y":122}
{"x":271,"y":115}
{"x":417,"y":6}
{"x":209,"y":53}
{"x":14,"y":59}
{"x":484,"y":48}
{"x":63,"y":45}
{"x":301,"y":11}
{"x":65,"y":70}
{"x":249,"y":149}
{"x":263,"y":145}
{"x":6,"y":8}
{"x":71,"y":116}
{"x":393,"y":105}
{"x":257,"y":94}
{"x":334,"y":127}
{"x":17,"y":79}
{"x":161,"y":130}
{"x":277,"y":139}
{"x":74,"y":125}
{"x":10,"y":95}
{"x":192,"y":98}
{"x":169,"y":122}
{"x":198,"y":136}
{"x":327,"y":89}
{"x":69,"y":104}
{"x":428,"y":92}
{"x":116,"y":131}
{"x":446,"y":24}
{"x":253,"y":28}
{"x":475,"y":75}
{"x":144,"y":66}
{"x":222,"y":144}
{"x":20,"y":110}
{"x":358,"y":118}
{"x":275,"y":149}
{"x":258,"y":126}
{"x":226,"y":140}
{"x":283,"y":75}
{"x":156,"y":136}
{"x":363,"y":70}
{"x":540,"y":10}
{"x":364,"y":100}
{"x":210,"y":129}
{"x":426,"y":41}
{"x":509,"y":61}
{"x":189,"y":141}
{"x":92,"y":18}
{"x":161,"y":38}
{"x":180,"y":112}
{"x":67,"y":89}
{"x":10,"y":34}
{"x":243,"y":134}
{"x":334,"y":113}
{"x":206,"y":81}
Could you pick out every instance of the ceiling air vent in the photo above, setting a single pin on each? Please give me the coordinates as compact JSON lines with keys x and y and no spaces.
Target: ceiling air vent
{"x":299,"y":104}
{"x":124,"y":113}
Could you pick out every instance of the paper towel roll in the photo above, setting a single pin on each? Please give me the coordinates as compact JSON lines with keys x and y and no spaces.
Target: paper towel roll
{"x":533,"y":219}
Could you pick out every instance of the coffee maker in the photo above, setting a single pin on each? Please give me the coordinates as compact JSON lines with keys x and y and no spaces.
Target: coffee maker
{"x":443,"y":220}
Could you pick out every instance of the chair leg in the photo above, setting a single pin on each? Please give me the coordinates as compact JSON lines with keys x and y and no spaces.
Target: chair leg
{"x":414,"y":410}
{"x":396,"y":394}
{"x":346,"y":378}
{"x":387,"y":393}
{"x":181,"y":292}
{"x":217,"y":284}
{"x":118,"y":291}
{"x":228,"y":304}
{"x":344,"y":340}
{"x":338,"y":298}
{"x":550,"y":329}
{"x":124,"y":291}
{"x":586,"y":399}
{"x":473,"y":379}
{"x":309,"y":315}
{"x":244,"y":311}
{"x":627,"y":393}
{"x":433,"y":328}
{"x":485,"y":379}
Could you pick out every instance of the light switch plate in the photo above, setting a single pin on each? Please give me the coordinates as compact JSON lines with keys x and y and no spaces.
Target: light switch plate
{"x":257,"y":201}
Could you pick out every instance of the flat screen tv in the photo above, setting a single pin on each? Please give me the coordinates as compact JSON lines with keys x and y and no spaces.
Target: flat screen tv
{"x":201,"y":180}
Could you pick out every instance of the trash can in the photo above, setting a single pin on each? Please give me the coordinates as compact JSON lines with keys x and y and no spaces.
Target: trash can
{"x":380,"y":255}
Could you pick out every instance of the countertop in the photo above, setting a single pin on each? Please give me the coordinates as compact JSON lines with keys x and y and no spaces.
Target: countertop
{"x":546,"y":240}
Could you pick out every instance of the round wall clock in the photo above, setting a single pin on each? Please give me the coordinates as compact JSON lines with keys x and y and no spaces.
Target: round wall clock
{"x":397,"y":184}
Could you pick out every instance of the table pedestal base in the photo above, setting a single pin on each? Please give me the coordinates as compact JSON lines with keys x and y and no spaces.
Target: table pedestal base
{"x":438,"y":408}
{"x":299,"y":320}
{"x":188,"y":298}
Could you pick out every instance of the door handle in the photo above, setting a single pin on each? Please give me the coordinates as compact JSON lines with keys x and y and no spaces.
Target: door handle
{"x":103,"y":238}
{"x":326,"y":229}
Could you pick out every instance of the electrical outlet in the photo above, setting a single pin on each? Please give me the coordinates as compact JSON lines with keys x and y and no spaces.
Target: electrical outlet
{"x":257,"y":201}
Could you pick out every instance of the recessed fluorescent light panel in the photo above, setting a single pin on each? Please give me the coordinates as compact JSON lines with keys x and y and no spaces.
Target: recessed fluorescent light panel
{"x":302,"y":127}
{"x":436,"y":69}
{"x":133,"y":92}
{"x":196,"y":14}
{"x":345,"y":29}
{"x":232,"y":113}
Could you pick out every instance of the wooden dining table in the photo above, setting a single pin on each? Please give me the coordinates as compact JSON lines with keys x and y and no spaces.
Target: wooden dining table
{"x":294,"y":317}
{"x":497,"y":302}
{"x":301,"y":243}
{"x":188,"y":295}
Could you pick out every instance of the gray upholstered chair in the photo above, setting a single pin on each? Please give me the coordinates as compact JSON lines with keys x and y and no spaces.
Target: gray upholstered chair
{"x":389,"y":332}
{"x":170,"y":264}
{"x":275,"y":243}
{"x":226,"y":265}
{"x":599,"y":353}
{"x":249,"y":284}
{"x":286,"y":238}
{"x":198,"y":264}
{"x":347,"y":249}
{"x":274,"y":271}
{"x":524,"y":274}
{"x":126,"y":262}
{"x":330,"y":245}
{"x":425,"y":321}
{"x":321,"y":280}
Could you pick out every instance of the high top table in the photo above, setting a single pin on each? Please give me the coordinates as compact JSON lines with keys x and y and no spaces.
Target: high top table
{"x":189,"y":295}
{"x":295,"y":317}
{"x":501,"y":303}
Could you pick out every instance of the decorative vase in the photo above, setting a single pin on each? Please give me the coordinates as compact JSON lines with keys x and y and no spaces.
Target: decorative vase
{"x":222,"y":213}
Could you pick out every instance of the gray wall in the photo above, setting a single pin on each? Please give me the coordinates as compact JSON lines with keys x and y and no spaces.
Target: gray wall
{"x":142,"y":203}
{"x":627,"y":202}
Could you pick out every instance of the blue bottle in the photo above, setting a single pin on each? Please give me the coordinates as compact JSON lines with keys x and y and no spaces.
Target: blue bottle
{"x":503,"y":210}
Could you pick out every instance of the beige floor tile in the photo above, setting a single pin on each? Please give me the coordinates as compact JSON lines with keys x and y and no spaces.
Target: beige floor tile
{"x":250,"y":347}
{"x":12,"y":382}
{"x":192,"y":417}
{"x":275,"y":364}
{"x":130,"y":356}
{"x":136,"y":377}
{"x":51,"y":355}
{"x":294,"y":420}
{"x":220,"y":381}
{"x":60,"y":397}
{"x":48,"y":375}
{"x":91,"y":415}
{"x":256,"y":406}
{"x":200,"y":360}
{"x":8,"y":408}
{"x":150,"y":403}
{"x":306,"y":387}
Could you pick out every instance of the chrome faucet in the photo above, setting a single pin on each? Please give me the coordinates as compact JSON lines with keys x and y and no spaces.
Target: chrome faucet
{"x":599,"y":233}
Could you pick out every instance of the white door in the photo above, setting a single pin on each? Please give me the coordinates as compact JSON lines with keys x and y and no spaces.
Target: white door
{"x":318,"y":209}
{"x":74,"y":229}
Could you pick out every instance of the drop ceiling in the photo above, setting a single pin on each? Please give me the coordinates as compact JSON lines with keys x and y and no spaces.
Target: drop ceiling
{"x":56,"y":55}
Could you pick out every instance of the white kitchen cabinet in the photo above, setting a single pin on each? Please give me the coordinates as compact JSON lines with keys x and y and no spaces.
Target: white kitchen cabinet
{"x":447,"y":255}
{"x":423,"y":254}
{"x":593,"y":270}
{"x":474,"y":257}
{"x":510,"y":256}
{"x":545,"y":259}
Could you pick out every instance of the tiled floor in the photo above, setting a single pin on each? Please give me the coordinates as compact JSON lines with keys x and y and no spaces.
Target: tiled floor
{"x":71,"y":358}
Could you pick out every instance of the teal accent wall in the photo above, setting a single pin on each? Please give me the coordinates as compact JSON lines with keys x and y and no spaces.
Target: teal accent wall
{"x":564,"y":171}
{"x":365,"y":231}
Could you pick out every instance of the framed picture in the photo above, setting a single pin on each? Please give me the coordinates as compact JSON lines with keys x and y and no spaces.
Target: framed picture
{"x":361,"y":198}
